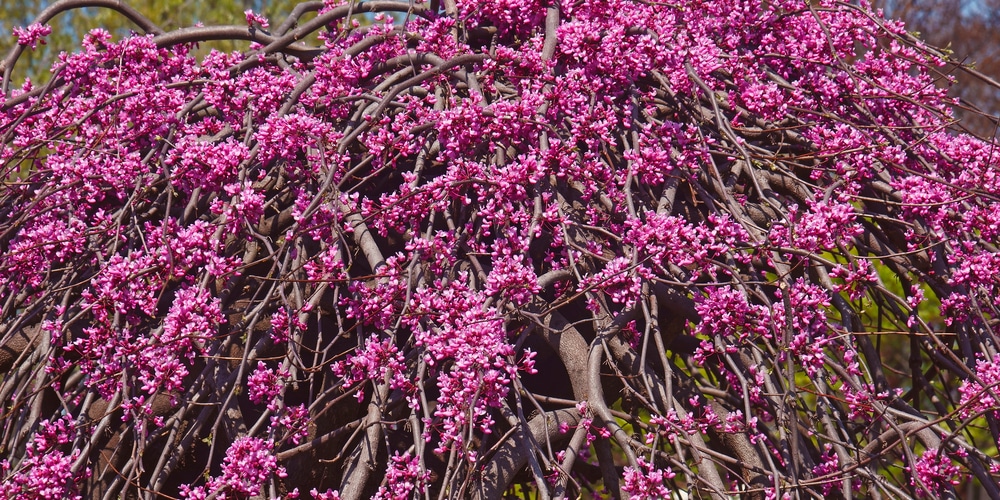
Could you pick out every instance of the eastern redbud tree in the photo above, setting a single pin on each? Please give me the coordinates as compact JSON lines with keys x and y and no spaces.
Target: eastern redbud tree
{"x":498,"y":248}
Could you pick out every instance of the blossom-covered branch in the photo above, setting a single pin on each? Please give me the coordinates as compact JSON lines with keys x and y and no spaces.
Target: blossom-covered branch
{"x":464,"y":249}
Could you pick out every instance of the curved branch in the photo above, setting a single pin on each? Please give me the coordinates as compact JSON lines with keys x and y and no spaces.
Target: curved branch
{"x":196,"y":34}
{"x":511,"y":458}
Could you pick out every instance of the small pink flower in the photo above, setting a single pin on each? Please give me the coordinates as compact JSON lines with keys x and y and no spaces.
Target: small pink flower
{"x":253,"y":17}
{"x":249,"y":463}
{"x":406,"y":476}
{"x":935,"y":470}
{"x":32,"y":35}
{"x":646,"y":481}
{"x":265,"y":384}
{"x":328,"y":495}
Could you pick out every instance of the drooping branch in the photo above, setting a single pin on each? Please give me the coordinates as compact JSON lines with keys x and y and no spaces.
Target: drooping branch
{"x":464,"y":251}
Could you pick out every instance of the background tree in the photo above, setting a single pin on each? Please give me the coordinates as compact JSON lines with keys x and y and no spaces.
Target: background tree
{"x":477,"y":248}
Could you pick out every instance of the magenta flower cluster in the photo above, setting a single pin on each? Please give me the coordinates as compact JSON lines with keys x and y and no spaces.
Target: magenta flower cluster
{"x":48,"y":469}
{"x":248,"y":465}
{"x":32,"y":35}
{"x":646,"y":481}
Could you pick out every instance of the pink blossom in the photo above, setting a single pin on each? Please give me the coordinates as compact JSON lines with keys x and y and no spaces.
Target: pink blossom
{"x":405,"y":477}
{"x":46,"y":471}
{"x":411,"y":209}
{"x":828,"y":465}
{"x":327,"y":495}
{"x":647,"y":481}
{"x":935,"y":471}
{"x":293,"y":421}
{"x":32,"y":35}
{"x":618,"y":279}
{"x":266,"y":384}
{"x":255,"y":18}
{"x":248,"y":465}
{"x":980,"y":396}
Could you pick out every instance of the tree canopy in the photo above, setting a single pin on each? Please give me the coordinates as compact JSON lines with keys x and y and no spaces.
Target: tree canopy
{"x":497,"y":248}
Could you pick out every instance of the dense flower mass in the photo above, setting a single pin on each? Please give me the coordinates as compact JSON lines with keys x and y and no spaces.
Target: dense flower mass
{"x":46,"y":470}
{"x":463,"y":249}
{"x":646,"y":481}
{"x":249,"y":463}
